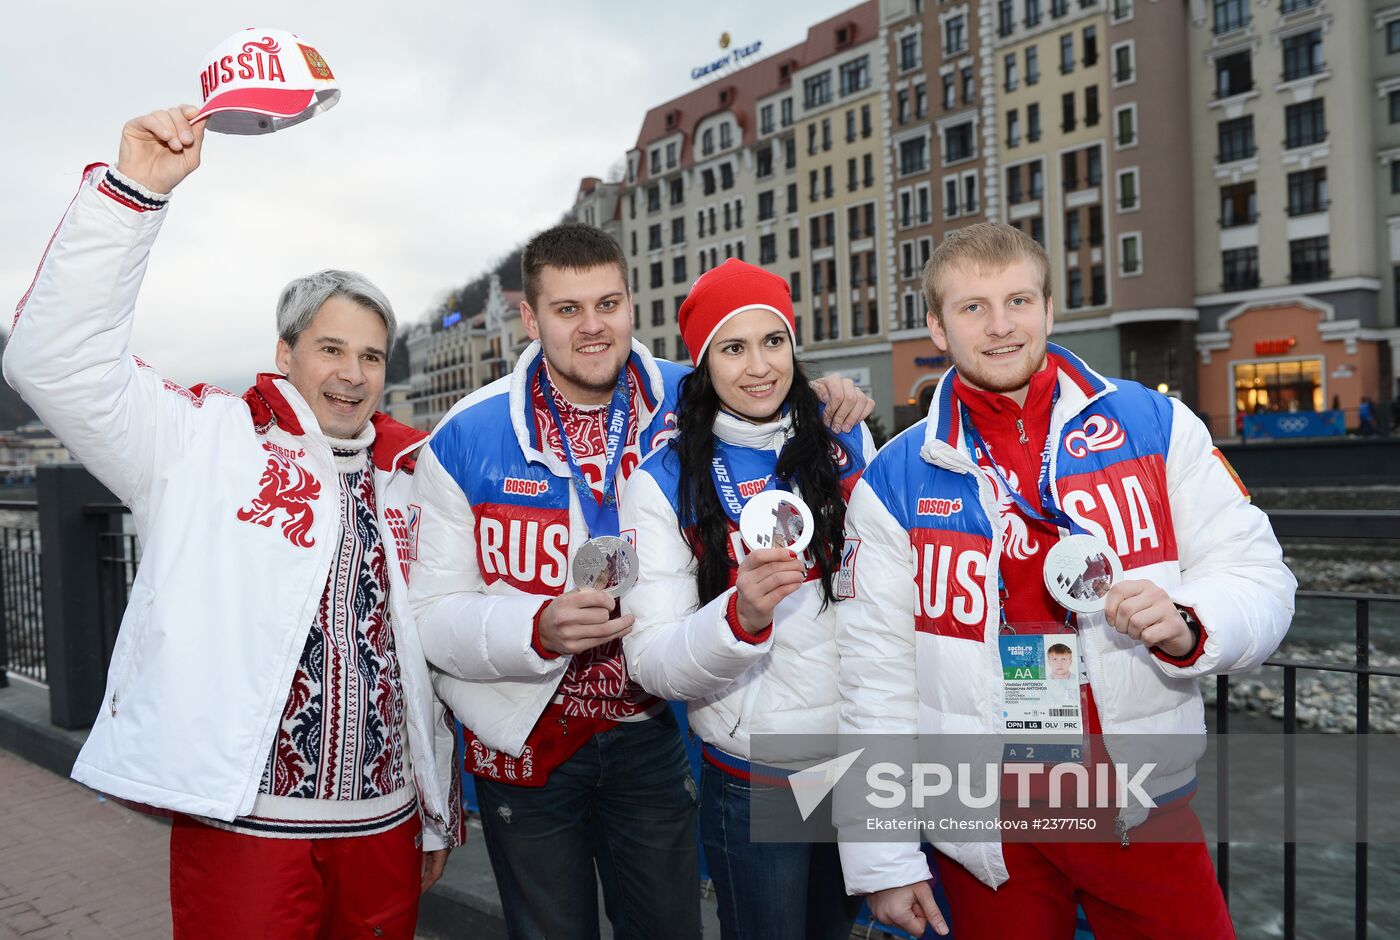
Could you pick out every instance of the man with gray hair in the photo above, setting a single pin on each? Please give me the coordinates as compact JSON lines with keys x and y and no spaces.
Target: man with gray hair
{"x":267,"y":686}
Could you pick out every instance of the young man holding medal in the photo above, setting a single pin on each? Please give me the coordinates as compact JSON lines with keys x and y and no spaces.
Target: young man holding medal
{"x":520,"y":567}
{"x":1033,"y":483}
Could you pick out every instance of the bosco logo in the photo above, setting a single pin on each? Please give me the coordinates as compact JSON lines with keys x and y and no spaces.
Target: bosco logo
{"x":940,"y":507}
{"x":750,"y":488}
{"x":516,"y":486}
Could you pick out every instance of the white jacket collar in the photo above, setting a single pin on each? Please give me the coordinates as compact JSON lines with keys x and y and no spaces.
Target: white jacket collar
{"x":770,"y":436}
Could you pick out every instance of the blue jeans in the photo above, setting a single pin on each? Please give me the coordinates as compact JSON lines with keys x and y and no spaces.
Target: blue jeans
{"x":768,"y":890}
{"x":625,"y":804}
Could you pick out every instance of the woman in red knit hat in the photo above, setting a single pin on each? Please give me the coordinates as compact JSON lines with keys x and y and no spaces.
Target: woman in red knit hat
{"x":748,"y":638}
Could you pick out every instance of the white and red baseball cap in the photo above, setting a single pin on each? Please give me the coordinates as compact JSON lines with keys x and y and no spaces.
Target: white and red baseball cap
{"x":262,"y":80}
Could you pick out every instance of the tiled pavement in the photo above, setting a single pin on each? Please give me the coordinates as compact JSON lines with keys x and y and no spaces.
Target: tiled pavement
{"x":75,"y":865}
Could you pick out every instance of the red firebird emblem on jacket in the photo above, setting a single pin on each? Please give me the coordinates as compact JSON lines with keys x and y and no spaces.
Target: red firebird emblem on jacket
{"x":286,"y":488}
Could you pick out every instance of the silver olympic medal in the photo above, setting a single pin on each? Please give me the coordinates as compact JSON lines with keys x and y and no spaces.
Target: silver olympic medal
{"x":606,"y":563}
{"x":1079,"y":570}
{"x":776,"y":519}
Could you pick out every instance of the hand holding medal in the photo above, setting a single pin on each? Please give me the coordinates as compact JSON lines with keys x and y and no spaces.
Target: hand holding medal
{"x":776,"y":527}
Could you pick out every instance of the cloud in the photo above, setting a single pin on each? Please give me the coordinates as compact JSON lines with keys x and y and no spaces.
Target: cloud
{"x":463,"y":128}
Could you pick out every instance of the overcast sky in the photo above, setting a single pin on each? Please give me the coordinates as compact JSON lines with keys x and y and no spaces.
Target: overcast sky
{"x":462,"y":128}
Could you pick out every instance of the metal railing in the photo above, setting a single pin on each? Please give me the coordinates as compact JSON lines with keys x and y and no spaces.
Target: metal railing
{"x":21,"y":607}
{"x":1331,"y":525}
{"x":118,"y":554}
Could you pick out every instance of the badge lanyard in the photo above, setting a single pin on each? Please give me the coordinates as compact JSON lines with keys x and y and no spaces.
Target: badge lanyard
{"x":600,"y":516}
{"x":1052,"y":514}
{"x":728,"y":488}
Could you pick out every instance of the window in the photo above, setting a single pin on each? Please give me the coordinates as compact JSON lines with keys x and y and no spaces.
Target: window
{"x":1076,"y":288}
{"x":1122,"y":10}
{"x":1032,"y":13}
{"x":1123,"y":65}
{"x":726,"y":138}
{"x":1069,"y":171}
{"x":765,"y":119}
{"x":794,"y":243}
{"x":907,"y":254}
{"x":866,"y":126}
{"x":1127,"y":189}
{"x":958,"y":143}
{"x":790,"y":153}
{"x":924,"y":195}
{"x":726,"y":176}
{"x":764,"y":166}
{"x":909,"y":57}
{"x":1059,"y":8}
{"x":1072,"y":236}
{"x":1091,"y":106}
{"x":855,"y":75}
{"x":1032,"y":65}
{"x":1302,"y":55}
{"x":811,"y":139}
{"x":1235,"y":139}
{"x":827,"y":188}
{"x":852,"y":175}
{"x":1038,"y":230}
{"x":738,"y":213}
{"x":658,"y":313}
{"x":816,"y":91}
{"x":1306,"y":123}
{"x":856,"y":271}
{"x":1098,"y":291}
{"x":950,"y":198}
{"x":767,"y":248}
{"x":1013,"y":128}
{"x":1091,"y":46}
{"x":921,"y":100}
{"x":850,"y":125}
{"x":655,"y":162}
{"x":1006,"y":18}
{"x":1308,"y":261}
{"x":1238,"y":205}
{"x":1010,"y":81}
{"x":1240,"y":268}
{"x":969,"y":87}
{"x":678,"y":269}
{"x":1230,"y":15}
{"x":814,"y":185}
{"x":1094,"y":174}
{"x":792,"y":197}
{"x":868,"y":169}
{"x":678,"y":230}
{"x":654,"y":198}
{"x":658,"y":347}
{"x":677,"y":191}
{"x":1067,"y":112}
{"x":954,"y":35}
{"x":786,"y":108}
{"x":707,"y":180}
{"x":699,"y":227}
{"x":970,"y":193}
{"x":1037,"y":184}
{"x":857,"y":320}
{"x":1126,"y":121}
{"x":1395,"y":185}
{"x":671,"y":155}
{"x":1233,"y":74}
{"x":826,"y":133}
{"x":1013,"y":186}
{"x":950,"y":93}
{"x":707,"y":142}
{"x":765,"y":205}
{"x":913,"y":156}
{"x":795,"y":279}
{"x":728,"y":217}
{"x":1293,"y":6}
{"x":1033,"y":122}
{"x":1307,"y":191}
{"x":1130,"y":255}
{"x":1066,"y":53}
{"x":1392,"y":37}
{"x":1394,"y":102}
{"x":902,"y":106}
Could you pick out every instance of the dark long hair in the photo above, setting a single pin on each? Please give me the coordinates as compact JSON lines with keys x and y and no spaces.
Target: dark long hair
{"x":806,"y":462}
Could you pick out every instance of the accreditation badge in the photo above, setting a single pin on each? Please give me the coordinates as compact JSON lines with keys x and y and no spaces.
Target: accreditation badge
{"x":1042,"y":712}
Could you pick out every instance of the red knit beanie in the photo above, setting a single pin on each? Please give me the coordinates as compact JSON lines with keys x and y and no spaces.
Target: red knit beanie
{"x":731,"y":288}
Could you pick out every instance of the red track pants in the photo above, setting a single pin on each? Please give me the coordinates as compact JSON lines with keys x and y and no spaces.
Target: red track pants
{"x":230,"y":885}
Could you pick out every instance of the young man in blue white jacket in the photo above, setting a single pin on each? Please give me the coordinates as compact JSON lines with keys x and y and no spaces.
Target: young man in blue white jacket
{"x":576,"y":766}
{"x":952,"y":522}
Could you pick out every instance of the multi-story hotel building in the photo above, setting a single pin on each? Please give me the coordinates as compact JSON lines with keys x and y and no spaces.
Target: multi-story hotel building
{"x":782,"y":164}
{"x":1288,"y":233}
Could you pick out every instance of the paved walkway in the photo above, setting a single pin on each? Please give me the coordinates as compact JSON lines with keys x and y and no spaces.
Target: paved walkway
{"x":75,"y":865}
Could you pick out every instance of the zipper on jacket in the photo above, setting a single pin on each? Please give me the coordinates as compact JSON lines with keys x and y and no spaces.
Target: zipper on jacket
{"x":1021,"y":430}
{"x":1121,"y":825}
{"x":112,"y":705}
